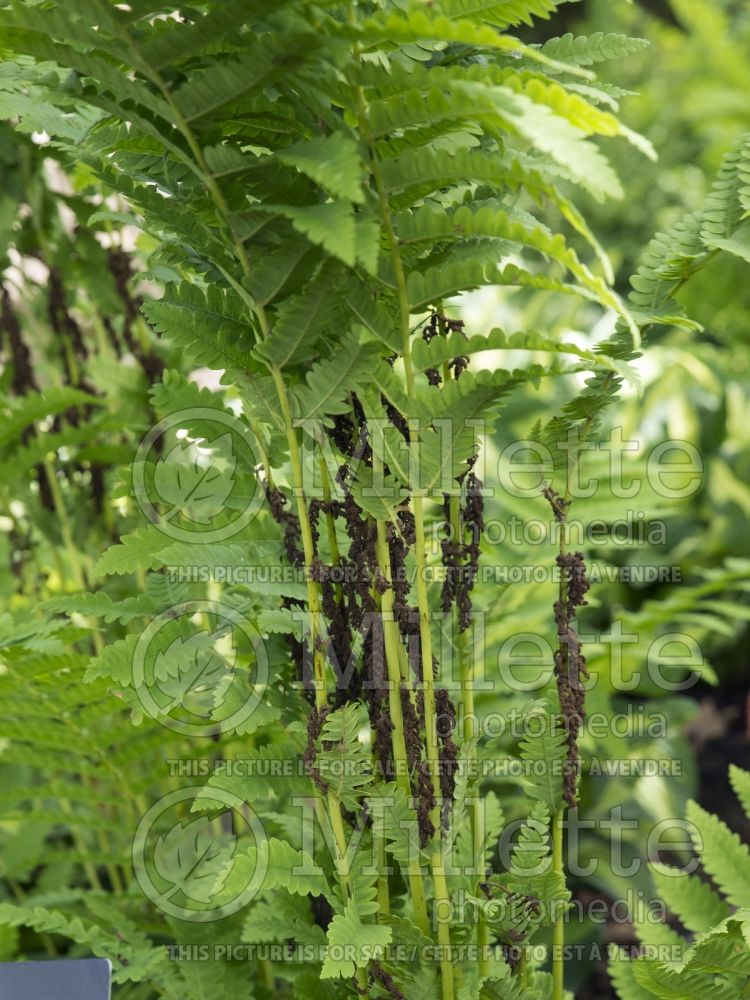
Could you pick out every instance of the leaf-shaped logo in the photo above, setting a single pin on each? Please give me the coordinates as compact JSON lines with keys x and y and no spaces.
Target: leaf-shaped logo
{"x":194,"y":860}
{"x":193,"y":481}
{"x":190,"y":672}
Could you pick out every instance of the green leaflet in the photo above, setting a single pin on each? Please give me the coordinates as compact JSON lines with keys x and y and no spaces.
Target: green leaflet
{"x":693,"y":901}
{"x":718,"y":960}
{"x":418,"y":26}
{"x":726,"y":207}
{"x":133,"y":965}
{"x":273,"y":919}
{"x":430,"y":225}
{"x":543,"y":751}
{"x":209,"y":324}
{"x":347,"y":932}
{"x":395,"y":820}
{"x":170,"y":42}
{"x":501,"y":13}
{"x":443,"y":349}
{"x":332,"y":161}
{"x":334,"y":226}
{"x":346,"y":766}
{"x":275,"y":863}
{"x":741,"y":784}
{"x":270,"y":773}
{"x":140,"y":548}
{"x":308,"y":188}
{"x":584,"y":50}
{"x":210,"y":89}
{"x":329,"y":382}
{"x":723,"y":855}
{"x":300,"y":321}
{"x":18,"y":414}
{"x":662,"y":982}
{"x":531,"y":872}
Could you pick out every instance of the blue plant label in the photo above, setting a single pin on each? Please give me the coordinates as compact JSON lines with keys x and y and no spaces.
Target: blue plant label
{"x":64,"y":979}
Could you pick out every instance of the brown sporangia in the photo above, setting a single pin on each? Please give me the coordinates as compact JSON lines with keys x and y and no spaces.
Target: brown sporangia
{"x":429,"y":332}
{"x":118,"y":262}
{"x":397,"y":418}
{"x":62,"y":322}
{"x":412,"y":734}
{"x":570,"y":663}
{"x":18,"y":353}
{"x":472,"y":520}
{"x":460,"y":555}
{"x":382,"y":727}
{"x":385,"y":979}
{"x":445,"y":714}
{"x":520,"y":908}
{"x":558,"y":504}
{"x":343,"y":434}
{"x":315,"y":721}
{"x":425,"y":803}
{"x":443,"y":325}
{"x":292,"y":543}
{"x":289,"y":524}
{"x":406,"y":615}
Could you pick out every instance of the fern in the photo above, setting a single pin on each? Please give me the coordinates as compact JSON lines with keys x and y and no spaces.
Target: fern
{"x":312,"y":184}
{"x":717,"y":958}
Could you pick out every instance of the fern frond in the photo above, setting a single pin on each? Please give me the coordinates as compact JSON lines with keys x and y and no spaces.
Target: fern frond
{"x":348,"y":935}
{"x":300,"y":321}
{"x":329,"y":382}
{"x":210,"y":325}
{"x":585,"y":50}
{"x":722,"y":853}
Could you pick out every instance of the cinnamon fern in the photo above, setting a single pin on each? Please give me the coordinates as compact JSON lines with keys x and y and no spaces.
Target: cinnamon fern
{"x":312,"y":185}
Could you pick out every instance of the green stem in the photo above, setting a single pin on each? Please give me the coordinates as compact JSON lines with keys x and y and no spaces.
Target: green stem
{"x":339,"y":834}
{"x":470,"y":732}
{"x":316,"y":634}
{"x":65,"y":527}
{"x":308,"y":545}
{"x":266,"y":973}
{"x":331,"y":527}
{"x":392,"y":644}
{"x":558,"y":928}
{"x":523,"y":972}
{"x":313,"y":593}
{"x":440,"y":885}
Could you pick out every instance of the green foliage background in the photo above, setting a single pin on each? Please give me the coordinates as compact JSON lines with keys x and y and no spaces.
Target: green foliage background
{"x":77,"y":774}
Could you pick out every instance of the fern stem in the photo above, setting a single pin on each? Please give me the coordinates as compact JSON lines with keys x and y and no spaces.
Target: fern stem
{"x":523,"y":975}
{"x":558,"y":928}
{"x":398,"y":740}
{"x":440,"y":885}
{"x":470,"y":727}
{"x":266,"y":973}
{"x":308,"y":546}
{"x":66,"y":529}
{"x":340,"y":852}
{"x":315,"y":610}
{"x":331,"y":526}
